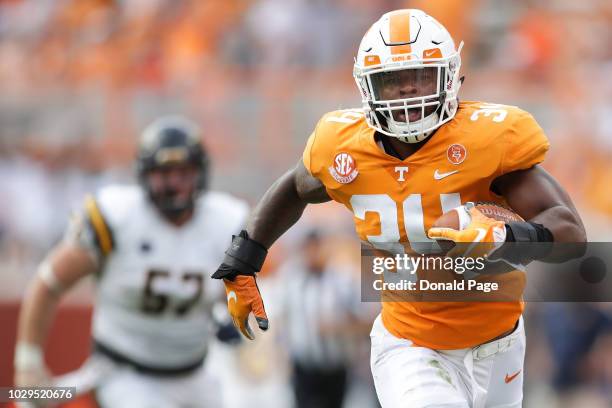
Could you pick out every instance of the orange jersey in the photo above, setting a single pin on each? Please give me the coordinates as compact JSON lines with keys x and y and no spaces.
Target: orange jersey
{"x":396,"y":200}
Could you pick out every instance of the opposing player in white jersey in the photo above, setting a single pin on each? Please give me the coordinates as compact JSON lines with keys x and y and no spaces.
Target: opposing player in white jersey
{"x":152,"y":248}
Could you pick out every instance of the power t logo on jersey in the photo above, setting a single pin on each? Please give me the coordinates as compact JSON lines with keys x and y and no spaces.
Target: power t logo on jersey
{"x":344,"y":169}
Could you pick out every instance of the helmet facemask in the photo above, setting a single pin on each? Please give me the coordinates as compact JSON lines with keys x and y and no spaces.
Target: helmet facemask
{"x":412,"y":98}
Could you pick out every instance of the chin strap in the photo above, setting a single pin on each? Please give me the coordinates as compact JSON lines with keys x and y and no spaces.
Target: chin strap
{"x":405,"y":139}
{"x":412,"y":138}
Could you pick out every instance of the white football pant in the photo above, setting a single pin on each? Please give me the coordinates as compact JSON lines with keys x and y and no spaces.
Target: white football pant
{"x":117,"y":386}
{"x":490,"y":375}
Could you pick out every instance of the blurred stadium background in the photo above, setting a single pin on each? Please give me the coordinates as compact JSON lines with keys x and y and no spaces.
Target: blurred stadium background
{"x":81,"y":78}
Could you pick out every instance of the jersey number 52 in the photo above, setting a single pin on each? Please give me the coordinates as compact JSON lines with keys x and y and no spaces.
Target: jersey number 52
{"x":156,"y":303}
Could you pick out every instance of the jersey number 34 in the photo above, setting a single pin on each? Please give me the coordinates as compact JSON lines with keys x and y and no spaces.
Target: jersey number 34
{"x":387,"y":210}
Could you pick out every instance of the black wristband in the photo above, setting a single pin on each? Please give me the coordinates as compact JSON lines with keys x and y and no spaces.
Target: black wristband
{"x":244,"y":257}
{"x":519,"y":236}
{"x":527,"y":232}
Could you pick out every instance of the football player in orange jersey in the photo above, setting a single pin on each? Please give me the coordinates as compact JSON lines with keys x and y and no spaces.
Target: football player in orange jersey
{"x":413,"y":152}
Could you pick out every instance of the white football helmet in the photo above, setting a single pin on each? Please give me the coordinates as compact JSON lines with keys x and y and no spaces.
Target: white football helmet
{"x":407,"y":70}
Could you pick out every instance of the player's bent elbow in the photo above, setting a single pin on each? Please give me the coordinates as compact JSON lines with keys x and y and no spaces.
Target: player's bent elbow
{"x":309,"y":189}
{"x":579,"y":239}
{"x":573,"y":234}
{"x":569,"y":235}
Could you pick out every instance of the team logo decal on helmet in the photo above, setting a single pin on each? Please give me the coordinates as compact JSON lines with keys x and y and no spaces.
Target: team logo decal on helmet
{"x":344,"y":169}
{"x":407,"y":69}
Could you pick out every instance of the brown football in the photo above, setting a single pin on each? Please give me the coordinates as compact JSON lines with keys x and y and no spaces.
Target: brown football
{"x":451,"y":219}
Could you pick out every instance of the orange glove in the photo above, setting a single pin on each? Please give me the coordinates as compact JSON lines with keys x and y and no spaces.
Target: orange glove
{"x":243,"y":297}
{"x":242,"y":261}
{"x":486,"y":234}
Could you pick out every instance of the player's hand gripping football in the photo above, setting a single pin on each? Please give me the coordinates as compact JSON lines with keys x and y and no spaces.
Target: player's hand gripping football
{"x":242,"y":260}
{"x":484,"y":233}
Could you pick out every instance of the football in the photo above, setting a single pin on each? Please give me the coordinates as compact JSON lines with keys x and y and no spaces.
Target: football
{"x":457,"y":220}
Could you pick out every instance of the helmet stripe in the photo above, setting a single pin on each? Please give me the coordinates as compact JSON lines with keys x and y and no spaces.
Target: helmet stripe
{"x":399,"y":32}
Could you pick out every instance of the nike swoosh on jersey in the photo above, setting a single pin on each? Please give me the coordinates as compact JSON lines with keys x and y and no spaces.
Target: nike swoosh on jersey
{"x":440,"y":176}
{"x":509,"y":378}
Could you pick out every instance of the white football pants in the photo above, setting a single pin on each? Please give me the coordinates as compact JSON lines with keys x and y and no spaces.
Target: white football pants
{"x":490,"y":375}
{"x":117,"y":386}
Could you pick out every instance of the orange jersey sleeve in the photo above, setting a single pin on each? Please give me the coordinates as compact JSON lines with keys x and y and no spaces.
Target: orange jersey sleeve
{"x":308,"y":152}
{"x":525,"y":143}
{"x":321,"y":144}
{"x":334,"y":134}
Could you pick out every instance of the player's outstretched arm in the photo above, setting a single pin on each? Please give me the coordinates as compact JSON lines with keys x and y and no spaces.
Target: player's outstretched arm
{"x":537,"y":197}
{"x":62,"y":268}
{"x":281,"y":207}
{"x":283,"y":204}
